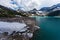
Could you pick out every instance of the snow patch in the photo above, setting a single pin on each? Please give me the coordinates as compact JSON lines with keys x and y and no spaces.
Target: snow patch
{"x":12,"y":26}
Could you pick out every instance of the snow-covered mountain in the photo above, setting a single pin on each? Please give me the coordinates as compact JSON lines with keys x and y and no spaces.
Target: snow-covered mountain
{"x":52,"y":8}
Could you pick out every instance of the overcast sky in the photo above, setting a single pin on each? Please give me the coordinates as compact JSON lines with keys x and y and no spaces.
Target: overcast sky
{"x":28,"y":4}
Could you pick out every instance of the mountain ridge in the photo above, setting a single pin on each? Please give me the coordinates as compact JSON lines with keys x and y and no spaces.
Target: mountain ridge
{"x":48,"y":9}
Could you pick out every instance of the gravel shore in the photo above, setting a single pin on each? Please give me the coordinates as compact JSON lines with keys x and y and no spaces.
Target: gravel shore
{"x":24,"y":35}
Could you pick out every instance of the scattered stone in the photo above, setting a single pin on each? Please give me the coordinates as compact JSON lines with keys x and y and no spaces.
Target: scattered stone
{"x":26,"y":33}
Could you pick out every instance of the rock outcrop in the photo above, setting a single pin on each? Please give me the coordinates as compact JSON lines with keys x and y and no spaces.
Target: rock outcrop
{"x":27,"y":34}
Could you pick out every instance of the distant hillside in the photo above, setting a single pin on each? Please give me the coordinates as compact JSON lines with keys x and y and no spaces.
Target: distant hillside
{"x":53,"y":10}
{"x":54,"y":13}
{"x":5,"y":12}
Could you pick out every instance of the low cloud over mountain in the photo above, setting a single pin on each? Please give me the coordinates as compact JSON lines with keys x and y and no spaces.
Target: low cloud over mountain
{"x":28,"y":4}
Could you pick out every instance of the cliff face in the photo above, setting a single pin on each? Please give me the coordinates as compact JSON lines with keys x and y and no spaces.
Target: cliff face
{"x":27,"y":34}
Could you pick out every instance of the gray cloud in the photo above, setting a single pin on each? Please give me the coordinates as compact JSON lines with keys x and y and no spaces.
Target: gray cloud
{"x":28,"y":4}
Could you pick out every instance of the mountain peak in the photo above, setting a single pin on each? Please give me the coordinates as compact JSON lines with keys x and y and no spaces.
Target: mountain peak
{"x":47,"y":9}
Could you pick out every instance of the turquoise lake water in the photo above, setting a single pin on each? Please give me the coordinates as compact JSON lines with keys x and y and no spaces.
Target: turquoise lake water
{"x":49,"y":28}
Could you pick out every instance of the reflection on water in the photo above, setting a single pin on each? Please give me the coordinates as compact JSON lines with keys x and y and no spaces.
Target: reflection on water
{"x":49,"y":28}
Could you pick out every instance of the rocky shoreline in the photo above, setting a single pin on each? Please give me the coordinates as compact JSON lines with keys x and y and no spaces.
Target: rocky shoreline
{"x":24,"y":35}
